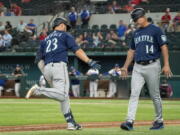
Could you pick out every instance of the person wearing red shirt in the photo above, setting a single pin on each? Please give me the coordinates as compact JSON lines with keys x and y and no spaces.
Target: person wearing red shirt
{"x":165,"y":21}
{"x":16,"y":9}
{"x":176,"y":22}
{"x":42,"y":35}
{"x":137,"y":2}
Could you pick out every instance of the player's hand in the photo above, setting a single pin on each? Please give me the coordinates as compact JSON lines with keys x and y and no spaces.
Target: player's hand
{"x":124,"y":73}
{"x":167,"y":71}
{"x":94,"y":64}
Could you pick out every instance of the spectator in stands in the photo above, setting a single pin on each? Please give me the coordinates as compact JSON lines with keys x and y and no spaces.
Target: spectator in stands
{"x":88,"y":40}
{"x":18,"y":72}
{"x":135,"y":3}
{"x":176,"y":22}
{"x":8,"y":26}
{"x":128,"y":8}
{"x":7,"y":38}
{"x":93,"y":76}
{"x":114,"y":7}
{"x":2,"y":43}
{"x":166,"y":90}
{"x":21,"y":26}
{"x":75,"y":83}
{"x":31,"y":26}
{"x":150,"y":20}
{"x":129,"y":33}
{"x":121,"y":30}
{"x":2,"y":28}
{"x":112,"y":38}
{"x":97,"y":39}
{"x":43,"y":34}
{"x":3,"y":9}
{"x":165,"y":21}
{"x":16,"y":9}
{"x":2,"y":83}
{"x":80,"y":39}
{"x":73,"y":16}
{"x":85,"y":17}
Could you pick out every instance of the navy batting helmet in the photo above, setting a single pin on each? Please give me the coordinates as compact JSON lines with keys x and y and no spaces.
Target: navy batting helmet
{"x":60,"y":20}
{"x":137,"y":13}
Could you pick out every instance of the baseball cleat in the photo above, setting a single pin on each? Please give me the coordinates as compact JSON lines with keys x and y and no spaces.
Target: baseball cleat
{"x":75,"y":126}
{"x":157,"y":125}
{"x":31,"y":91}
{"x":127,"y":126}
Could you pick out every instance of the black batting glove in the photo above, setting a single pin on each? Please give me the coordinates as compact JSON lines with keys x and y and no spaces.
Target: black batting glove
{"x":94,"y":64}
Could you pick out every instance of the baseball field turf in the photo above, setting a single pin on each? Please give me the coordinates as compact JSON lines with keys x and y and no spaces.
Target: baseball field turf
{"x":17,"y":112}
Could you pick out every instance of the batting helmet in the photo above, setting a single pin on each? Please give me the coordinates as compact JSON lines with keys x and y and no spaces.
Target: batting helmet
{"x":59,"y":21}
{"x":137,"y":13}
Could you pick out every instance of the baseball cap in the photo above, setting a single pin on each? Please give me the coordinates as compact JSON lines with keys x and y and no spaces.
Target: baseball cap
{"x":116,"y":65}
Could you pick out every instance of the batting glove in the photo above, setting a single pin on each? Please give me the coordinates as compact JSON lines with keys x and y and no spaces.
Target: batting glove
{"x":94,"y":64}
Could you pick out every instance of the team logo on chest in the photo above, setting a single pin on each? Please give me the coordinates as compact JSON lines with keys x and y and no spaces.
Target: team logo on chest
{"x":143,"y":38}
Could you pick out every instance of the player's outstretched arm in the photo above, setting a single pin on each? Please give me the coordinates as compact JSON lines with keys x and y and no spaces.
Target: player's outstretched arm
{"x":166,"y":68}
{"x":82,"y":55}
{"x":129,"y":59}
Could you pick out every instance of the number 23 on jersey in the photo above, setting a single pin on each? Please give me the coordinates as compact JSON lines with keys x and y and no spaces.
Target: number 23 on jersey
{"x":52,"y":45}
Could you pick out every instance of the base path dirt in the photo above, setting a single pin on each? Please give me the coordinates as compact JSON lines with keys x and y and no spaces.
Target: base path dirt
{"x":84,"y":125}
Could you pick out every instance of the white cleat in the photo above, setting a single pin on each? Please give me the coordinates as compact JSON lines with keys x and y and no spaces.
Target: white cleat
{"x":75,"y":126}
{"x":31,"y":91}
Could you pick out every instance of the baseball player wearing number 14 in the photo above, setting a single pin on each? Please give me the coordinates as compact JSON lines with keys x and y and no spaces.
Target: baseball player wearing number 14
{"x":52,"y":59}
{"x":147,"y":44}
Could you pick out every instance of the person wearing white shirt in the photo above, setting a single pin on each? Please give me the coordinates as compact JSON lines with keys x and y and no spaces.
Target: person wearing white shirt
{"x":7,"y":38}
{"x":2,"y":27}
{"x":21,"y":26}
{"x":93,"y":83}
{"x":113,"y":82}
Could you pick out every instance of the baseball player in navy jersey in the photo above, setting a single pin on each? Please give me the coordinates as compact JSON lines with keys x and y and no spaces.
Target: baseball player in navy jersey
{"x":52,"y":58}
{"x":148,"y":42}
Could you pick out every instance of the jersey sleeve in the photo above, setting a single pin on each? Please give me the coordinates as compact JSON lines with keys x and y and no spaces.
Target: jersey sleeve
{"x":71,"y":44}
{"x":161,"y":38}
{"x":132,"y":44}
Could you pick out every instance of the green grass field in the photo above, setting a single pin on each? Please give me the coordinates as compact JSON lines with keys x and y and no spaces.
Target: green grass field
{"x":44,"y":111}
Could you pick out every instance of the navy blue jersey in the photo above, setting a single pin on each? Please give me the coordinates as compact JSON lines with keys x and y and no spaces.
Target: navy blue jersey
{"x":54,"y":48}
{"x":147,"y":43}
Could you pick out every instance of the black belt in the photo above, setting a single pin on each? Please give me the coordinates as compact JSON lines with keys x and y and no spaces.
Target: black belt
{"x":146,"y":62}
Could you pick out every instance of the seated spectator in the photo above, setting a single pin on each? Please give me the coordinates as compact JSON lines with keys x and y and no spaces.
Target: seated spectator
{"x":88,"y":39}
{"x":128,"y":8}
{"x":2,"y":28}
{"x":121,"y":30}
{"x":176,"y":22}
{"x":73,"y":16}
{"x":16,"y":9}
{"x":166,"y":90}
{"x":8,"y":26}
{"x":31,"y":26}
{"x":165,"y":21}
{"x":2,"y":43}
{"x":114,"y":8}
{"x":112,"y":38}
{"x":3,"y":9}
{"x":43,"y":35}
{"x":21,"y":26}
{"x":135,"y":3}
{"x":80,"y":39}
{"x":97,"y":39}
{"x":85,"y":17}
{"x":7,"y":38}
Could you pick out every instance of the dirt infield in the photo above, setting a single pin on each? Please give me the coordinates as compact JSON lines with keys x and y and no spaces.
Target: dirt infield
{"x":85,"y":125}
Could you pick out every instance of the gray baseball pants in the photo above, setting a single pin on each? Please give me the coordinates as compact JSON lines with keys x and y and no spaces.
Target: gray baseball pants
{"x":57,"y":74}
{"x":151,"y":75}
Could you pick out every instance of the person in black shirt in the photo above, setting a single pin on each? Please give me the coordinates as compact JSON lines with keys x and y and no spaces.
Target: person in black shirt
{"x":18,"y":72}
